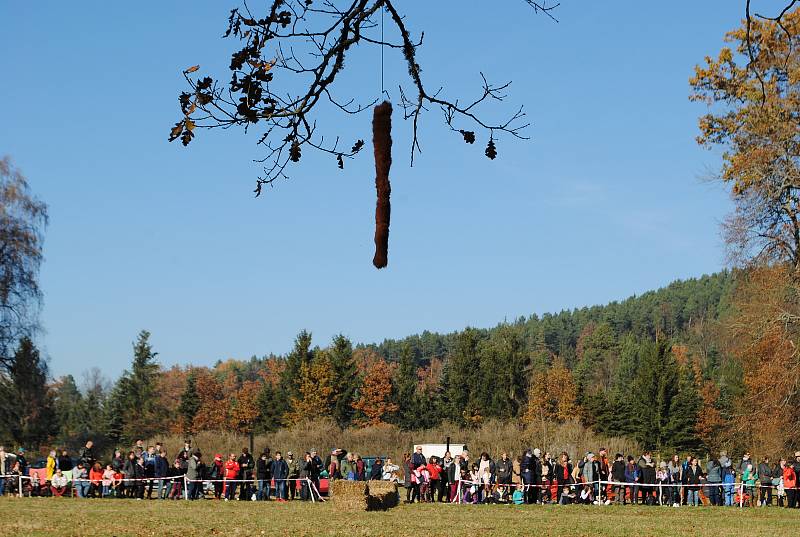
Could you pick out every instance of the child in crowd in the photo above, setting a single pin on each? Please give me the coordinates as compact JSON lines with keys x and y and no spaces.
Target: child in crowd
{"x":567,"y":496}
{"x":108,"y":481}
{"x":518,"y":497}
{"x":587,"y":496}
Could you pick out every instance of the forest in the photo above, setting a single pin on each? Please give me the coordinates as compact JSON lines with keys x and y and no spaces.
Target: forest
{"x":653,"y":368}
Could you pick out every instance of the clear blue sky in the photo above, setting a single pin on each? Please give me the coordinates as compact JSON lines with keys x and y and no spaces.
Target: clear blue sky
{"x":605,"y":201}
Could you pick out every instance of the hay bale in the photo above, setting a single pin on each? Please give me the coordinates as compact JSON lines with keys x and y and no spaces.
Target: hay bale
{"x":382,"y":495}
{"x":363,"y":495}
{"x":349,"y":495}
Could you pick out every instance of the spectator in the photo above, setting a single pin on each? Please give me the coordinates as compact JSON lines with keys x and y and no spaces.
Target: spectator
{"x":435,"y":472}
{"x":160,"y":472}
{"x":714,"y":481}
{"x":194,"y":475}
{"x":294,"y":473}
{"x":632,"y":478}
{"x":128,"y":476}
{"x":216,"y":474}
{"x":80,"y":480}
{"x":749,"y":480}
{"x":618,"y":477}
{"x":675,"y":469}
{"x":376,"y":471}
{"x":263,"y":477}
{"x":418,"y":459}
{"x":280,"y":473}
{"x":58,"y":483}
{"x":230,"y":477}
{"x":65,"y":461}
{"x":22,"y":462}
{"x":390,"y":471}
{"x":96,"y":481}
{"x":139,"y":476}
{"x":109,"y":481}
{"x":789,"y":484}
{"x":692,"y":478}
{"x":51,"y":465}
{"x":765,"y":474}
{"x":86,"y":454}
{"x":246,"y":467}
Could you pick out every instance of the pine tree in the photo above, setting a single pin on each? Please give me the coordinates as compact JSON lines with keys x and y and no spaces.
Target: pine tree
{"x":134,"y":395}
{"x":654,"y":388}
{"x":270,"y":409}
{"x":680,"y":429}
{"x":459,"y":376}
{"x":301,"y":354}
{"x":405,"y":390}
{"x":190,"y":404}
{"x":68,"y":405}
{"x":27,"y":402}
{"x":345,"y":379}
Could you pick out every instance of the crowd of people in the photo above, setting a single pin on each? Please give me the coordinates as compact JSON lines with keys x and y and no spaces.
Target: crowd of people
{"x":540,"y":478}
{"x":146,"y":472}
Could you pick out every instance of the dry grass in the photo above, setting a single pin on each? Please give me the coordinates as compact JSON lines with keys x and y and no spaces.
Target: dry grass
{"x":492,"y":436}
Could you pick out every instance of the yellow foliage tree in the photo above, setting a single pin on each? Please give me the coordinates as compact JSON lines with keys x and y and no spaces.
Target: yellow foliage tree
{"x":552,"y":395}
{"x":315,"y":393}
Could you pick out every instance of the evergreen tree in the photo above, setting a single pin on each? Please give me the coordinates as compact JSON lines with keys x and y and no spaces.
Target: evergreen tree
{"x":405,"y":390}
{"x":27,"y":413}
{"x":345,"y":379}
{"x":654,"y":388}
{"x":134,"y":396}
{"x":459,"y":376}
{"x":190,"y":404}
{"x":270,"y":409}
{"x":69,"y":407}
{"x":504,"y":364}
{"x":680,"y":428}
{"x":300,"y":355}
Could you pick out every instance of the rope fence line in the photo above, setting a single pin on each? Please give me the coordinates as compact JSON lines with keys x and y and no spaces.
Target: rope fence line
{"x":314,"y":491}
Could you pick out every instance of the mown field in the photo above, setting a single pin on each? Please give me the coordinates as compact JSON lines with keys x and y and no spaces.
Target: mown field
{"x":29,"y":517}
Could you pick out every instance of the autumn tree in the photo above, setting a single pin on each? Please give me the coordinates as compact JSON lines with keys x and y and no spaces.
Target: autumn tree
{"x":764,"y":337}
{"x":373,"y":403}
{"x":315,"y":391}
{"x":752,"y":91}
{"x":23,"y":219}
{"x":213,"y":412}
{"x":244,"y":409}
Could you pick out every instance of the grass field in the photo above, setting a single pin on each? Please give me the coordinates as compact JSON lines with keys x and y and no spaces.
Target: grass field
{"x":28,"y":517}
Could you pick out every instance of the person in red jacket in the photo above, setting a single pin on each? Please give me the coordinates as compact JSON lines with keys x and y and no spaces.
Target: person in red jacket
{"x":435,"y":470}
{"x":95,"y":481}
{"x":789,"y":483}
{"x":231,"y":473}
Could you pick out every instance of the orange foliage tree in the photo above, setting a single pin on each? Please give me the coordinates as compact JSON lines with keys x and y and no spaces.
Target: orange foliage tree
{"x":374,"y":397}
{"x":244,"y":409}
{"x":765,"y":333}
{"x":213,"y":412}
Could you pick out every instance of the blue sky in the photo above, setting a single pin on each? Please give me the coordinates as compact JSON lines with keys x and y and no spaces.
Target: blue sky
{"x":606,"y":200}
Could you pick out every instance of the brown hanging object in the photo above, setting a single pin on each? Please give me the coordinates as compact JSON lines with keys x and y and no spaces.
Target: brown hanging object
{"x":382,"y":143}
